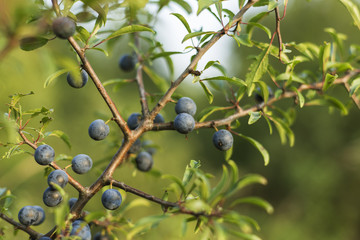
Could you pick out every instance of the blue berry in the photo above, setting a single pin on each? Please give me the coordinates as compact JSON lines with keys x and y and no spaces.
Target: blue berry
{"x":81,"y":229}
{"x":28,"y":215}
{"x":111,"y":199}
{"x":184,"y":123}
{"x":98,"y":130}
{"x":51,"y":197}
{"x":144,"y":161}
{"x":41,"y":217}
{"x":159,"y":119}
{"x":71,"y":202}
{"x":185,"y":105}
{"x":127,"y":62}
{"x":44,"y":154}
{"x":58,"y":177}
{"x":44,"y":238}
{"x":63,"y":27}
{"x":223,"y":140}
{"x":134,"y":120}
{"x":81,"y":163}
{"x":77,"y":83}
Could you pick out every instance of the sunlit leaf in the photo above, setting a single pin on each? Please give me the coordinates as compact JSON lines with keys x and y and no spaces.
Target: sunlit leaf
{"x":53,"y":76}
{"x":254,"y":117}
{"x":203,"y":4}
{"x":355,"y":85}
{"x":255,"y":201}
{"x":207,"y":91}
{"x":300,"y":96}
{"x":195,"y":34}
{"x":129,"y":29}
{"x":61,"y":135}
{"x":353,"y":10}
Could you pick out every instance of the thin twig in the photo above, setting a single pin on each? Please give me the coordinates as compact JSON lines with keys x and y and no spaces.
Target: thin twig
{"x":142,"y":194}
{"x":278,"y":33}
{"x":88,"y":68}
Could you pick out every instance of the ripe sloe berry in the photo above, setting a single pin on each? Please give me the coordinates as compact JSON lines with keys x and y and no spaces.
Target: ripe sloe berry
{"x":81,"y":163}
{"x":58,"y":177}
{"x":77,"y":83}
{"x":44,"y":154}
{"x":223,"y":140}
{"x":98,"y":130}
{"x":127,"y":62}
{"x":144,"y":161}
{"x":111,"y":199}
{"x":52,"y":197}
{"x":185,"y":105}
{"x":184,"y":123}
{"x":63,"y":27}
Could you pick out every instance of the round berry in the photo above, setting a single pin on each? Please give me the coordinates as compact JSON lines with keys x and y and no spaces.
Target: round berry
{"x":185,"y":105}
{"x":63,"y":27}
{"x":51,"y":197}
{"x":223,"y":140}
{"x":184,"y":123}
{"x":41,"y":217}
{"x":134,"y":120}
{"x":28,"y":215}
{"x":44,"y":154}
{"x":77,"y":83}
{"x":144,"y":161}
{"x":111,"y":199}
{"x":98,"y":130}
{"x":58,"y":177}
{"x":159,"y":119}
{"x":71,"y":202}
{"x":81,"y":229}
{"x":127,"y":62}
{"x":81,"y":163}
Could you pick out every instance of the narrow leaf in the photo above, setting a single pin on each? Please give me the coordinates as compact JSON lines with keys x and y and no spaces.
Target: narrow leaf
{"x":207,"y":91}
{"x":183,"y":20}
{"x":203,"y":4}
{"x":259,"y":147}
{"x":353,"y":10}
{"x":175,"y":180}
{"x":160,"y":82}
{"x":257,"y":68}
{"x":300,"y":96}
{"x":129,"y":29}
{"x":329,"y":79}
{"x":255,"y":201}
{"x":61,"y":135}
{"x":195,"y":34}
{"x":355,"y":85}
{"x":53,"y":76}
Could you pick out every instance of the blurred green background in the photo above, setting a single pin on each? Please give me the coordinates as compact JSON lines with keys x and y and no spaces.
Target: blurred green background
{"x":313,"y":186}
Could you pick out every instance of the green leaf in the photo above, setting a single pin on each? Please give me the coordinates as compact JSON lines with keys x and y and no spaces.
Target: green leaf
{"x":53,"y":76}
{"x":203,"y":4}
{"x":257,"y":69}
{"x":207,"y":91}
{"x":289,"y":77}
{"x":235,"y":218}
{"x":245,"y":181}
{"x":353,"y":10}
{"x":259,"y":147}
{"x":255,"y":201}
{"x":254,"y":116}
{"x":31,"y":43}
{"x":61,"y":135}
{"x":195,"y":34}
{"x":210,"y":63}
{"x":184,"y":5}
{"x":160,"y":82}
{"x":228,"y":153}
{"x":100,"y":50}
{"x":233,"y":80}
{"x":269,"y":123}
{"x":164,"y":54}
{"x":234,"y":171}
{"x":265,"y":29}
{"x":245,"y":236}
{"x":189,"y":171}
{"x":337,"y":104}
{"x":221,"y":184}
{"x":284,"y":130}
{"x":83,"y":34}
{"x":329,"y":79}
{"x":355,"y":84}
{"x":324,"y":56}
{"x":177,"y":181}
{"x":129,"y":29}
{"x":300,"y":96}
{"x":183,"y":20}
